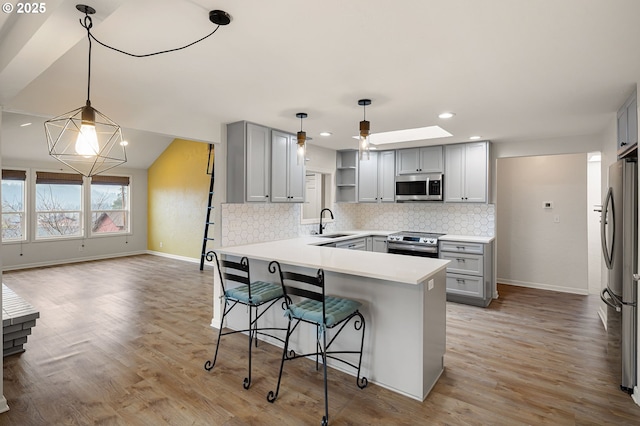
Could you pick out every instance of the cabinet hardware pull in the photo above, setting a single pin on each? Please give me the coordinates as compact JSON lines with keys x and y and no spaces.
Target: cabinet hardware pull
{"x":460,"y":280}
{"x":460,"y":260}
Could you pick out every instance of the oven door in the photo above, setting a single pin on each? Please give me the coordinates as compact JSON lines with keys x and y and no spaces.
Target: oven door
{"x":396,"y":247}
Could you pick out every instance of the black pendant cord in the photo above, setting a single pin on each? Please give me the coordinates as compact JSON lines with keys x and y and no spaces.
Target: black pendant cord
{"x":91,"y":36}
{"x":88,"y":23}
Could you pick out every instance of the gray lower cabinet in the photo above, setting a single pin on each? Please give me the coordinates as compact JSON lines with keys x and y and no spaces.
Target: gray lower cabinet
{"x":248,"y":162}
{"x":376,"y":180}
{"x":377,"y":244}
{"x":470,"y":277}
{"x":287,"y":176}
{"x":353,"y":244}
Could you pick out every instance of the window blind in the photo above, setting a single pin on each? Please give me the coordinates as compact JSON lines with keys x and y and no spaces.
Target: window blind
{"x":14,"y":175}
{"x":58,"y":178}
{"x":110,"y":180}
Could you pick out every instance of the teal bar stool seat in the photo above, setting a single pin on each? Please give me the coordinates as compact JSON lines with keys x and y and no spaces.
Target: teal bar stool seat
{"x":257,"y":296}
{"x":306,"y":302}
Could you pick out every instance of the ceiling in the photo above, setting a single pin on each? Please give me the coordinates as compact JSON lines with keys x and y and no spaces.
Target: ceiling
{"x":511,"y":70}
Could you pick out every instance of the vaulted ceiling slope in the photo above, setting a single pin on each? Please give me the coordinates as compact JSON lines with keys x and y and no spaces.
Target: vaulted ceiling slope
{"x":511,"y":70}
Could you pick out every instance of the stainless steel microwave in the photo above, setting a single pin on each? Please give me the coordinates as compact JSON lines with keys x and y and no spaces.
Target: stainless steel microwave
{"x":419,"y":187}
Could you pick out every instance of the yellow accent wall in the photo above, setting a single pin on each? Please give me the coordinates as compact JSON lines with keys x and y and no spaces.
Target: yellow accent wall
{"x":178,"y":189}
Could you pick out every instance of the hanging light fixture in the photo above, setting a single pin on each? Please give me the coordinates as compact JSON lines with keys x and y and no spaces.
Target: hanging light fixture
{"x":85,"y":139}
{"x":363,"y":141}
{"x":302,"y":139}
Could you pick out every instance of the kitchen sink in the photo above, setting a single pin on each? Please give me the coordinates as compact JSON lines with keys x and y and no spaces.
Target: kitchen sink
{"x":332,"y":235}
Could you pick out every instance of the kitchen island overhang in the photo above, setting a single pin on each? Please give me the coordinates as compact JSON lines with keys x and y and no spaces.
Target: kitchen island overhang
{"x":403,"y":301}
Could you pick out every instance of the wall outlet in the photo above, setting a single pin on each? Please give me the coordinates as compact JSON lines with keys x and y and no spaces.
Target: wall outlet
{"x":160,"y":244}
{"x":556,"y":218}
{"x":431,"y":284}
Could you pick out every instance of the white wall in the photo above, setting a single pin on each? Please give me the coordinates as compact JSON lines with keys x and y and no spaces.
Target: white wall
{"x":40,"y":253}
{"x":533,"y":249}
{"x":594,"y":200}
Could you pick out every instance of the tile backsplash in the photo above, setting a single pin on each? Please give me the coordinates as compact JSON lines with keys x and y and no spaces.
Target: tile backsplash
{"x":252,"y":223}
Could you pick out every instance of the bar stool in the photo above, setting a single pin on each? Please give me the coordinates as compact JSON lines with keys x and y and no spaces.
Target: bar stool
{"x":313,"y":306}
{"x":253,"y":295}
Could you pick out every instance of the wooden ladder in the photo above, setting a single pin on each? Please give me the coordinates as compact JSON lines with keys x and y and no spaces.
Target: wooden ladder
{"x":210,"y":171}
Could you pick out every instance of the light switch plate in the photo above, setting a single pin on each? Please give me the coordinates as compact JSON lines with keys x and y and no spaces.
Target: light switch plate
{"x":431,"y":284}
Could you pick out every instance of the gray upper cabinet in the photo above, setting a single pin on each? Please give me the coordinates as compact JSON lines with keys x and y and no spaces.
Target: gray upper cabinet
{"x":628,"y":126}
{"x":287,"y":177}
{"x":376,"y":180}
{"x":427,"y":159}
{"x":466,"y":172}
{"x":248,"y":162}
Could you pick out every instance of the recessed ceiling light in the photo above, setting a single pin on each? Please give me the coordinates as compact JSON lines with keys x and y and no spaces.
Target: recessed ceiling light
{"x":475,"y":138}
{"x":25,"y":124}
{"x":325,"y":134}
{"x":446,"y":115}
{"x":407,"y":135}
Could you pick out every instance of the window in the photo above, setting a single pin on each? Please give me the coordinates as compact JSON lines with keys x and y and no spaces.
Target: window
{"x":13,"y":205}
{"x":109,"y":204}
{"x":58,"y":205}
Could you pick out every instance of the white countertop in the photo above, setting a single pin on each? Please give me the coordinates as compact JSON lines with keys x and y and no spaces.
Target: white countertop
{"x":466,"y":238}
{"x":305,"y":252}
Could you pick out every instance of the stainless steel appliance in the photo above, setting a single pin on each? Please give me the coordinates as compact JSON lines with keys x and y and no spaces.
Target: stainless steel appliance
{"x":423,"y":244}
{"x":619,"y":236}
{"x":419,"y":187}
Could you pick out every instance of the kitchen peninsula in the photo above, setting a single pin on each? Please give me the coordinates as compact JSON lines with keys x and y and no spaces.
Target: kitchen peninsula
{"x":403,"y":301}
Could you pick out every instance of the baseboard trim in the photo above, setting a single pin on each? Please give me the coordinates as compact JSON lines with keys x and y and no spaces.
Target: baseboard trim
{"x":540,"y":286}
{"x":176,"y":257}
{"x":74,"y":260}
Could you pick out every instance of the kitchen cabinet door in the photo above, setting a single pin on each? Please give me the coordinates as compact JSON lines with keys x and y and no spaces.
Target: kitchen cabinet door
{"x":258,"y":163}
{"x":627,"y":138}
{"x":466,"y":176}
{"x":387,"y":177}
{"x":454,"y":173}
{"x":431,"y":159}
{"x":368,"y":179}
{"x":475,"y":180}
{"x":287,"y":177}
{"x":379,"y":244}
{"x":408,"y":161}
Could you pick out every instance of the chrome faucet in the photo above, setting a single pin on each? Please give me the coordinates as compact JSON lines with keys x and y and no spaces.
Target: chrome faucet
{"x":322,"y":227}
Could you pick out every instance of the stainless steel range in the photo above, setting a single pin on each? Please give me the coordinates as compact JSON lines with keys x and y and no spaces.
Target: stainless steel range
{"x":423,"y":244}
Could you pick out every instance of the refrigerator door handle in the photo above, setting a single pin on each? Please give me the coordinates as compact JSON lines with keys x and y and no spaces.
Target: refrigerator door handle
{"x":608,"y":204}
{"x":612,"y":300}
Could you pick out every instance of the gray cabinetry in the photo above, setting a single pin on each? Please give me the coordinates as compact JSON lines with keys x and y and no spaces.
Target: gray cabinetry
{"x":426,"y":159}
{"x":379,"y":244}
{"x":248,"y":162}
{"x":627,"y":139}
{"x":346,"y":176}
{"x":470,"y":277}
{"x":466,"y":172}
{"x":287,"y":177}
{"x":376,"y":178}
{"x":353,"y":244}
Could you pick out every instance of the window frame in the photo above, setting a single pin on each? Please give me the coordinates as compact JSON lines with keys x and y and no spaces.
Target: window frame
{"x":25,"y":205}
{"x":82,"y":211}
{"x":127,"y":211}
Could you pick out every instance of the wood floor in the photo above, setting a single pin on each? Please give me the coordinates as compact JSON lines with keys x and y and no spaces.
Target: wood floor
{"x":123,"y":342}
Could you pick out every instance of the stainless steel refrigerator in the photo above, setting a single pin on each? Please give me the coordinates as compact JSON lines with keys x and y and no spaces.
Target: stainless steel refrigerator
{"x":619,"y":234}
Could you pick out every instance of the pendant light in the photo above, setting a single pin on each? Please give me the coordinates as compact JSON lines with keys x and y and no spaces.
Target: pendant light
{"x":363,"y":140}
{"x":85,"y":139}
{"x":302,"y":138}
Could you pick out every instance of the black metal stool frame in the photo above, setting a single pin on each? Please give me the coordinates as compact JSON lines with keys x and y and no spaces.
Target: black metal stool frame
{"x":321,"y":345}
{"x":254,"y":312}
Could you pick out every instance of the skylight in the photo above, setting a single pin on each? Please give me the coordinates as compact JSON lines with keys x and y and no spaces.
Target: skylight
{"x":407,"y":135}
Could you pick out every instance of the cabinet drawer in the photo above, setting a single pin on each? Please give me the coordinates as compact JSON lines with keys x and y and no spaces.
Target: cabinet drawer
{"x":460,"y":247}
{"x":355,"y":244}
{"x":464,"y":263}
{"x":465,"y":285}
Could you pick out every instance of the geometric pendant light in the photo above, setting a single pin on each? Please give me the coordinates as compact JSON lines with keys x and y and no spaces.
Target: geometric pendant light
{"x":85,"y":139}
{"x":363,"y":140}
